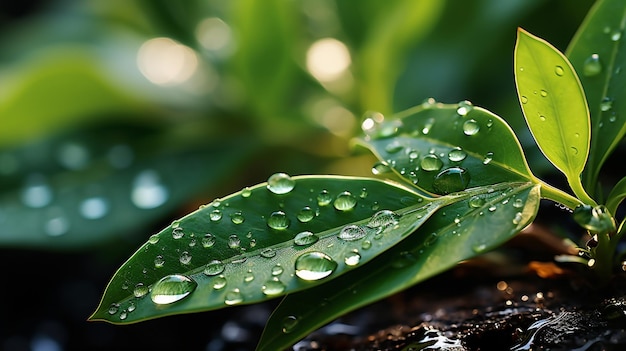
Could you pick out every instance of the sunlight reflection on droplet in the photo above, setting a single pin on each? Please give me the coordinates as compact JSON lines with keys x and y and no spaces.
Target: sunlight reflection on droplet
{"x":165,"y":62}
{"x":327,"y":59}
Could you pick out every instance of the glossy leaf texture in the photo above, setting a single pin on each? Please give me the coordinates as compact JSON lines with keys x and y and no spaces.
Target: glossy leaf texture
{"x":554,"y":105}
{"x":445,"y":148}
{"x":598,"y":53}
{"x":487,"y":218}
{"x":99,"y":184}
{"x":288,"y":234}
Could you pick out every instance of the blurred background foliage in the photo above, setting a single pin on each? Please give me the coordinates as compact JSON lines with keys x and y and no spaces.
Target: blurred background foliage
{"x":118,"y":116}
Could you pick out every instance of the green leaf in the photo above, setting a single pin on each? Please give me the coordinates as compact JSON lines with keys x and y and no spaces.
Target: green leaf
{"x":92,"y":185}
{"x":616,"y":196}
{"x":598,"y":53}
{"x":554,"y":106}
{"x":426,"y":143}
{"x":262,"y":242}
{"x":459,"y":231}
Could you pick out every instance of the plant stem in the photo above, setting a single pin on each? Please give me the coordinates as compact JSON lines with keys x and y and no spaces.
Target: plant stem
{"x":577,"y":186}
{"x":558,"y":195}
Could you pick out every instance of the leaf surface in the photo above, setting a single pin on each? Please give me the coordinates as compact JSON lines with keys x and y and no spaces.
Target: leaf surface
{"x":259,"y":244}
{"x":460,"y":231}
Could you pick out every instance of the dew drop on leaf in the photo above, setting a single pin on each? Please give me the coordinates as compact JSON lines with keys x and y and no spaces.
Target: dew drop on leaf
{"x":488,"y":158}
{"x":177,"y":233}
{"x":246,"y":192}
{"x":185,"y":258}
{"x":273,"y":287}
{"x":314,"y":266}
{"x":215,"y":215}
{"x":393,"y":147}
{"x":524,"y":99}
{"x":464,"y":107}
{"x":214,"y":267}
{"x":344,"y":201}
{"x":431,"y":163}
{"x":476,"y":202}
{"x":237,"y":217}
{"x":153,"y":239}
{"x":289,"y":323}
{"x":558,"y":70}
{"x":208,"y":240}
{"x":352,"y":258}
{"x":451,"y":180}
{"x":518,"y":203}
{"x":248,"y":277}
{"x":305,"y":238}
{"x":543,"y":93}
{"x":383,"y":218}
{"x":471,"y":127}
{"x":280,"y":183}
{"x":268,"y":252}
{"x":305,"y":214}
{"x":351,"y":233}
{"x":159,"y":261}
{"x":381,"y":168}
{"x":606,"y":104}
{"x":518,"y":218}
{"x":219,"y":282}
{"x":457,"y":154}
{"x":428,"y":126}
{"x":113,"y":308}
{"x":592,"y":66}
{"x":233,"y":297}
{"x":366,"y":245}
{"x":172,"y":288}
{"x":277,"y":270}
{"x":324,"y":198}
{"x":616,"y":35}
{"x":234,"y":241}
{"x":278,"y":220}
{"x":140,"y":290}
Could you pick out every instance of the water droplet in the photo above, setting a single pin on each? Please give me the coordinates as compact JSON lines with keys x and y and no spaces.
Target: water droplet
{"x":248,"y":277}
{"x":113,"y":308}
{"x":542,"y":118}
{"x":237,"y":217}
{"x":123,"y":315}
{"x":464,"y":108}
{"x":159,"y":261}
{"x":428,"y":126}
{"x":215,"y":215}
{"x":305,"y":238}
{"x":268,"y":252}
{"x":277,"y":270}
{"x":234,"y":241}
{"x":366,"y":244}
{"x":280,"y":183}
{"x":37,"y":193}
{"x":479,"y":248}
{"x":471,"y":127}
{"x":214,"y":267}
{"x":594,"y":219}
{"x":615,"y":36}
{"x":363,"y":193}
{"x":558,"y":70}
{"x":543,"y":93}
{"x":94,"y":207}
{"x":208,"y":240}
{"x":518,"y":203}
{"x":524,"y":99}
{"x":383,"y":219}
{"x":476,"y":202}
{"x":488,"y":158}
{"x":148,"y":192}
{"x":305,"y":214}
{"x":314,"y":266}
{"x":606,"y":104}
{"x":246,"y":192}
{"x":413,"y":155}
{"x":153,"y":239}
{"x":278,"y":220}
{"x":457,"y":154}
{"x":371,"y":122}
{"x":324,"y":198}
{"x":289,"y":323}
{"x":518,"y":218}
{"x":344,"y":201}
{"x":219,"y":282}
{"x":592,"y":66}
{"x":172,"y":288}
{"x":233,"y":297}
{"x":451,"y":180}
{"x":380,"y":168}
{"x":431,"y":162}
{"x":185,"y":258}
{"x":177,"y":233}
{"x":140,"y":290}
{"x":352,"y":258}
{"x":273,"y":287}
{"x":351,"y":233}
{"x":393,"y":147}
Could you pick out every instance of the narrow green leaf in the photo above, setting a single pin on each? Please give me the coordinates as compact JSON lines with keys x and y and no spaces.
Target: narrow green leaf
{"x":263,"y":242}
{"x":459,"y":231}
{"x":616,"y":196}
{"x":598,"y":53}
{"x":554,"y":106}
{"x":443,"y":148}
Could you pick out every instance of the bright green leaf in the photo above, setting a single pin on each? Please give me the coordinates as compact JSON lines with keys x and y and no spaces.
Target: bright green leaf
{"x":458,"y":232}
{"x":598,"y":53}
{"x":262,"y":242}
{"x":616,"y":196}
{"x":554,"y":106}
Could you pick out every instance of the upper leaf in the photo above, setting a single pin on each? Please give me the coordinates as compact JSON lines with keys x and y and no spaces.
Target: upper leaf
{"x":262,"y":242}
{"x":554,"y":105}
{"x":443,"y":148}
{"x":598,"y":53}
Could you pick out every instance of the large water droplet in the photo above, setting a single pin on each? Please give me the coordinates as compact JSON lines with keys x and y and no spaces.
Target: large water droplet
{"x":214,"y":267}
{"x":246,"y":192}
{"x":345,"y":201}
{"x":172,"y":288}
{"x":431,"y":163}
{"x":383,"y":219}
{"x":314,"y":266}
{"x":305,"y":214}
{"x":451,"y":180}
{"x":278,"y":220}
{"x":148,"y":192}
{"x":471,"y":127}
{"x":273,"y":287}
{"x":592,"y":66}
{"x":305,"y":238}
{"x":280,"y":183}
{"x":457,"y":155}
{"x":351,"y":233}
{"x":268,"y":252}
{"x":94,"y":207}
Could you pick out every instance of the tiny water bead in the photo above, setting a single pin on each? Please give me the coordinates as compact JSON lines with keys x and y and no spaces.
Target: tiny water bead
{"x":185,"y":258}
{"x":289,"y":323}
{"x":324,"y":198}
{"x":431,"y":163}
{"x":451,"y":180}
{"x":488,"y":158}
{"x":280,"y":183}
{"x":476,"y":202}
{"x":159,"y":261}
{"x":172,"y":288}
{"x":306,"y":214}
{"x":524,"y":99}
{"x":428,"y":126}
{"x":268,"y":252}
{"x":381,"y":168}
{"x":558,"y":70}
{"x":215,"y":215}
{"x":464,"y":107}
{"x":352,"y":258}
{"x":140,"y":290}
{"x":277,"y":270}
{"x":471,"y":127}
{"x":305,"y":238}
{"x":606,"y":104}
{"x":314,"y":266}
{"x":457,"y":154}
{"x":214,"y":267}
{"x":153,"y":239}
{"x":233,"y":241}
{"x":273,"y":287}
{"x":219,"y":282}
{"x":592,"y":66}
{"x":246,"y":192}
{"x":278,"y":220}
{"x":233,"y":297}
{"x":344,"y":201}
{"x":351,"y":233}
{"x":208,"y":240}
{"x":177,"y":233}
{"x":237,"y":217}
